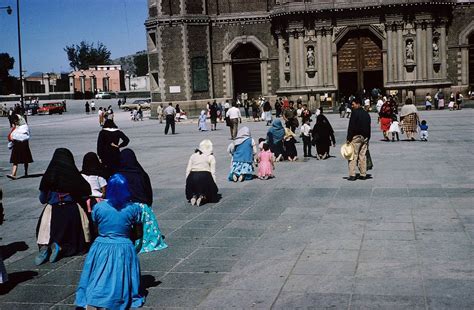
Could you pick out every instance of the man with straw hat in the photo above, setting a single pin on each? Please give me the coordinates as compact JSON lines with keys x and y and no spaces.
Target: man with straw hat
{"x":358,"y":134}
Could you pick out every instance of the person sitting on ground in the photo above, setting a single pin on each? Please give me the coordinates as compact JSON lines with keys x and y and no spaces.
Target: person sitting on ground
{"x":110,"y":278}
{"x":201,"y":175}
{"x":266,"y":163}
{"x":63,"y":227}
{"x":289,"y":141}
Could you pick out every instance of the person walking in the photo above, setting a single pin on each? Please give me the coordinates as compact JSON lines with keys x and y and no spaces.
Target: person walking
{"x":323,"y":137}
{"x":267,"y":109}
{"x":234,"y":117}
{"x":385,"y":119}
{"x":110,"y":141}
{"x":159,"y":112}
{"x":170,"y":114}
{"x":247,"y":108}
{"x":19,"y":141}
{"x":213,"y":113}
{"x":87,"y":106}
{"x":358,"y":133}
{"x":202,"y":121}
{"x":110,"y":278}
{"x":201,"y":175}
{"x":63,"y":227}
{"x":141,"y":193}
{"x":92,"y":106}
{"x":409,"y":119}
{"x":243,"y":149}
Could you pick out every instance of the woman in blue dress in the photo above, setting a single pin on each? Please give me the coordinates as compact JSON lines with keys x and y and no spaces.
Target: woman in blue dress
{"x":111,"y":275}
{"x":142,"y":194}
{"x":242,"y":149}
{"x":202,"y":121}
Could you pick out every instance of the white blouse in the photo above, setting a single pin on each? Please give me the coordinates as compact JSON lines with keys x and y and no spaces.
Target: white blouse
{"x":201,"y":162}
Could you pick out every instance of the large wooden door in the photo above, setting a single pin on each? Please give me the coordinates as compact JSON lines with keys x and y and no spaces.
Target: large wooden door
{"x":246,"y":71}
{"x":359,"y":62}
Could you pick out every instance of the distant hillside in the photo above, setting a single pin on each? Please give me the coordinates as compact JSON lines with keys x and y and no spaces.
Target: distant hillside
{"x":129,"y":63}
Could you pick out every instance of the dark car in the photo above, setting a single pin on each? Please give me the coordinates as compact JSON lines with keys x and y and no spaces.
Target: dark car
{"x":31,"y":108}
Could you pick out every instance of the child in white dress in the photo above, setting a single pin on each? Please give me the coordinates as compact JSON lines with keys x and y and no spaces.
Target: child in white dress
{"x":395,"y":128}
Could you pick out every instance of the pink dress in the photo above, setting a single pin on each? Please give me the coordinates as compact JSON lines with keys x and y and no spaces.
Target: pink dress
{"x":265,"y":163}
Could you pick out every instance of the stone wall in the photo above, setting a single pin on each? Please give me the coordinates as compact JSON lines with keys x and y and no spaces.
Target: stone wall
{"x":172,"y":49}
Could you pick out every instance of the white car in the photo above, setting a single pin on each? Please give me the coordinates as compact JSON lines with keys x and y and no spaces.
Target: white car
{"x":103,"y":95}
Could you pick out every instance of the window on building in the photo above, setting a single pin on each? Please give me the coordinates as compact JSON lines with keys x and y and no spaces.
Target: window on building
{"x":199,"y":74}
{"x":152,"y":36}
{"x":155,"y":79}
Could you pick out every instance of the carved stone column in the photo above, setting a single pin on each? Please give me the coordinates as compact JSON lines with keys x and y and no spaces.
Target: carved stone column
{"x":429,"y":50}
{"x":400,"y":52}
{"x":301,"y":59}
{"x":293,"y":63}
{"x":325,"y":58}
{"x":281,"y":57}
{"x":443,"y":50}
{"x":419,"y":55}
{"x":46,"y":79}
{"x":390,"y":60}
{"x":329,"y":80}
{"x":319,"y":53}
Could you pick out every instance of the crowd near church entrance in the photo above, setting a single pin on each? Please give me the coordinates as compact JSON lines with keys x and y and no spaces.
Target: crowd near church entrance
{"x":359,"y":62}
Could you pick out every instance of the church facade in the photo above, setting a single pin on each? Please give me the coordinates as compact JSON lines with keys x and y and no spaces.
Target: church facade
{"x":313,"y":49}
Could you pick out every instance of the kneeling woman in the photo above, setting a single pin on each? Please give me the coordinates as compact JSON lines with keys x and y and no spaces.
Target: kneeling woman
{"x":201,"y":175}
{"x":63,"y":227}
{"x":142,"y":194}
{"x":111,"y":275}
{"x":242,"y":149}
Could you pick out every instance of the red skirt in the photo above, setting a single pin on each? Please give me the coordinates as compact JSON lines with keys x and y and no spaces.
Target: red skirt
{"x":385,"y":123}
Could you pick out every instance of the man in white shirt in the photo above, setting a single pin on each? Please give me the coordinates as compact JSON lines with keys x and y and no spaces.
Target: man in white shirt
{"x":233,"y":115}
{"x":169,"y":113}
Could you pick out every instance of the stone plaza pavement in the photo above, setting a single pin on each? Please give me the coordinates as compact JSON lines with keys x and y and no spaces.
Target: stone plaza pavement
{"x":307,"y":239}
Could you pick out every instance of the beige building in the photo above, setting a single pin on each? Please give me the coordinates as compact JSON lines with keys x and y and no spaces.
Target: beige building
{"x":202,"y":49}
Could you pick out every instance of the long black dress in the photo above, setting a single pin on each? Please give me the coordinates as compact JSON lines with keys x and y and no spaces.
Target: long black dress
{"x":323,"y":135}
{"x":108,"y":154}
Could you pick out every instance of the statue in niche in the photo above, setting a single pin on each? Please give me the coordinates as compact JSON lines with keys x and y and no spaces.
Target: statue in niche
{"x":287,"y":59}
{"x":435,"y":50}
{"x":410,"y":55}
{"x":310,"y":56}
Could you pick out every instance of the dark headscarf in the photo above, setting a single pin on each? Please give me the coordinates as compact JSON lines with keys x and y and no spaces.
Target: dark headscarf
{"x":109,"y":124}
{"x":63,"y":176}
{"x":91,"y":165}
{"x":322,"y":127}
{"x":277,"y":131}
{"x":138,"y":180}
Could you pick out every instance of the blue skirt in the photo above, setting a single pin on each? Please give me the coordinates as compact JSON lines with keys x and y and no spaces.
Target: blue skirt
{"x":152,"y":239}
{"x":111,"y":276}
{"x":241,"y":168}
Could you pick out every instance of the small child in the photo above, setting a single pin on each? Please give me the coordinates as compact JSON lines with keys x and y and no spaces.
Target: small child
{"x":306,"y":136}
{"x":423,"y":131}
{"x":266,"y":163}
{"x":261,"y":142}
{"x":395,"y":128}
{"x":134,"y":115}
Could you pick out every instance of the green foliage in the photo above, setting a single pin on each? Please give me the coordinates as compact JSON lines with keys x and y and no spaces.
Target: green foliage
{"x":141,"y":64}
{"x":6,"y":64}
{"x":84,"y":55}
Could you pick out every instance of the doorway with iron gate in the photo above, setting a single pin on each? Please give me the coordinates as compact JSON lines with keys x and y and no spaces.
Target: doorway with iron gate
{"x":359,"y":62}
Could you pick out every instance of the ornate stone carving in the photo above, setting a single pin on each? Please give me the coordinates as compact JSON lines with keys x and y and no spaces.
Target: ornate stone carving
{"x":409,"y":51}
{"x":310,"y":58}
{"x":337,"y":30}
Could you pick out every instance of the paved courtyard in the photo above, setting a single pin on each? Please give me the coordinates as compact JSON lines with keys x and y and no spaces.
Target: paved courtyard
{"x":306,"y":239}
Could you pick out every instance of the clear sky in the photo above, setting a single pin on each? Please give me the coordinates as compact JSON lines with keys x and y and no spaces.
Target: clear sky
{"x":47,"y":26}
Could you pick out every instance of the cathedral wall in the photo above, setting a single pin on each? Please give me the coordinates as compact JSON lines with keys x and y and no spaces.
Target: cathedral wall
{"x":172,"y":49}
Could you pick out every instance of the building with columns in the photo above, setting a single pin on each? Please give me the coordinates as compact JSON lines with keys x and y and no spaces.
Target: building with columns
{"x":202,"y":49}
{"x":106,"y":78}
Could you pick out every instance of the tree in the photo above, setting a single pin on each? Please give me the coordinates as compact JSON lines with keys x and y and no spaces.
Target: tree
{"x":84,"y":55}
{"x":6,"y":82}
{"x":141,"y":64}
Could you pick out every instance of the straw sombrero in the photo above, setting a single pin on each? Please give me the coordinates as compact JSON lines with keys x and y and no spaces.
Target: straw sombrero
{"x":347,"y":151}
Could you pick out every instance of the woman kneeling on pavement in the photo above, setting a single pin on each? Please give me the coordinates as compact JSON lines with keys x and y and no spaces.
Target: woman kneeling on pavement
{"x":111,"y":275}
{"x":242,"y":149}
{"x":201,"y":175}
{"x":63,"y":227}
{"x":142,"y":194}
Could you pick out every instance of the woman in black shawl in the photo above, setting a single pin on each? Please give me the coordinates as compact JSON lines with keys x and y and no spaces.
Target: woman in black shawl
{"x":142,"y":193}
{"x":63,"y":227}
{"x":108,"y":146}
{"x":323,"y":136}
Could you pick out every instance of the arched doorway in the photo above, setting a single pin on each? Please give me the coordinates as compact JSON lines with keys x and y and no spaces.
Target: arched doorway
{"x":359,"y":62}
{"x":471,"y":61}
{"x":246,"y":72}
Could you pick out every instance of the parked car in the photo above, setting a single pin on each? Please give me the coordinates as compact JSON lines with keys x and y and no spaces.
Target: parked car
{"x":103,"y":95}
{"x":31,"y":108}
{"x":145,"y":103}
{"x":51,"y":108}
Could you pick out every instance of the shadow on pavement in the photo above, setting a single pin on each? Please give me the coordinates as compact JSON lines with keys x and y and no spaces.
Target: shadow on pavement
{"x":148,"y":281}
{"x":16,"y":278}
{"x":10,"y":249}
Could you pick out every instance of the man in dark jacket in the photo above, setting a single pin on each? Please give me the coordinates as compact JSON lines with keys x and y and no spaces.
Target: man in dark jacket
{"x":358,"y":133}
